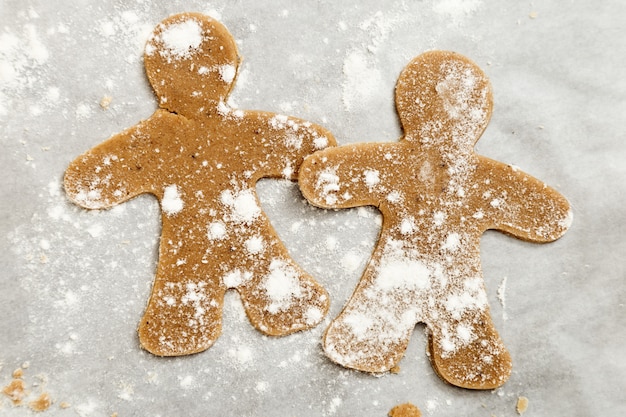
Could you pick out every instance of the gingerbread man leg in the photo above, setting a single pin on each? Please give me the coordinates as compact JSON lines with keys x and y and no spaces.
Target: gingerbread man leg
{"x":469,"y":356}
{"x":373,"y":331}
{"x":184,"y":314}
{"x":281,"y":298}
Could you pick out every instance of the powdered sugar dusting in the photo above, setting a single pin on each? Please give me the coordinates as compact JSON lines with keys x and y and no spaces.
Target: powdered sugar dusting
{"x":567,"y":220}
{"x":502,"y":297}
{"x":243,"y":205}
{"x":328,"y":183}
{"x":23,"y":55}
{"x":320,"y":142}
{"x":281,"y":286}
{"x":237,"y":277}
{"x":371,"y":177}
{"x":217,"y":230}
{"x":457,"y":11}
{"x":228,"y":73}
{"x":172,"y":202}
{"x":456,"y":89}
{"x":362,"y":80}
{"x":181,"y":40}
{"x":255,"y":245}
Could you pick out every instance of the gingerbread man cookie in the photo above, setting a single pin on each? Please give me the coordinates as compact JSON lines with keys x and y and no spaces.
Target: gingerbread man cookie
{"x":201,"y":158}
{"x":437,"y":197}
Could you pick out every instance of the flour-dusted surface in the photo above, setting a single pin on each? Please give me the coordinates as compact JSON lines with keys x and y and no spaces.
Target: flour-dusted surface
{"x":75,"y":282}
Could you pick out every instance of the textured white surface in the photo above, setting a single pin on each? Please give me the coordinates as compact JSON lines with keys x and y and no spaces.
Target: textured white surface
{"x":74,"y":283}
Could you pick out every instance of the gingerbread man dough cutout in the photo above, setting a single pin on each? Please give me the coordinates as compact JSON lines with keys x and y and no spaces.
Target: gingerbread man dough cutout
{"x":201,"y":158}
{"x":437,"y":197}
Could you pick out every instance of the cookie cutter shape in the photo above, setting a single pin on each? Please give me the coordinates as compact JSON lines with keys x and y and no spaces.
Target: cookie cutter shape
{"x":437,"y":197}
{"x":201,"y":158}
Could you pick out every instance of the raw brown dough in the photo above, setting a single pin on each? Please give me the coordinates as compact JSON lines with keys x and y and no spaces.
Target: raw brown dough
{"x":437,"y":197}
{"x":522,"y":405}
{"x":201,"y":158}
{"x":16,"y":391}
{"x":405,"y":410}
{"x":42,"y":403}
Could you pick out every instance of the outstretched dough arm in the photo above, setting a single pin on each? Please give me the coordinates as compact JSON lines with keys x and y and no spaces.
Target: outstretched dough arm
{"x":348,"y":176}
{"x":276,"y":145}
{"x":520,"y":204}
{"x":120,"y":168}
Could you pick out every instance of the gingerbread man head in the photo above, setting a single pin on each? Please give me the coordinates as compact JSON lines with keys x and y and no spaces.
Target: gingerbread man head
{"x":443,"y":100}
{"x":191,"y":61}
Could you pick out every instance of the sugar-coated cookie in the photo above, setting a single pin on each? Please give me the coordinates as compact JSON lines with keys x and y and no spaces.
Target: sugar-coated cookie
{"x":201,"y":158}
{"x":437,"y":197}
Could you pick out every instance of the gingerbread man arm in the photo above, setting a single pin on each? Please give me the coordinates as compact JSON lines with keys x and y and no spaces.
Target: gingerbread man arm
{"x":119,"y":168}
{"x":276,"y":145}
{"x":348,"y":176}
{"x":520,"y":204}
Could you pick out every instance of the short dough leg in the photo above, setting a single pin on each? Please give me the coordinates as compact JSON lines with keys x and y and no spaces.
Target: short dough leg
{"x":368,"y":336}
{"x":484,"y":363}
{"x":182,"y":317}
{"x":284,"y":299}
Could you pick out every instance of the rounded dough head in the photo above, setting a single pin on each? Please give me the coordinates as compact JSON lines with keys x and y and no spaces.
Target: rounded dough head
{"x":441,"y":97}
{"x":191,"y":61}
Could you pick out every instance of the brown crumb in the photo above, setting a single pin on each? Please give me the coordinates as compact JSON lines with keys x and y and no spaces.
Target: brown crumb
{"x":42,"y":403}
{"x":395,"y":370}
{"x":522,"y":405}
{"x":405,"y":410}
{"x":16,"y":391}
{"x":18,"y":373}
{"x":106,"y":102}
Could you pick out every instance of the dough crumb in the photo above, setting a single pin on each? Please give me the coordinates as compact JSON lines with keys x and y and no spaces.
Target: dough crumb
{"x":405,"y":410}
{"x":16,"y":391}
{"x":64,"y":405}
{"x":18,"y":373}
{"x":522,"y":405}
{"x":20,"y":396}
{"x":42,"y":403}
{"x":106,"y":102}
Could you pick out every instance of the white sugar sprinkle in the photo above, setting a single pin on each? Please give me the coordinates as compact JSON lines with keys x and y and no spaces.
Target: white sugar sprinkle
{"x":181,"y":39}
{"x":171,"y":202}
{"x":228,"y":72}
{"x":372,"y":177}
{"x":236,"y":277}
{"x":281,"y":286}
{"x":255,"y":245}
{"x":217,"y":231}
{"x":243,"y":204}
